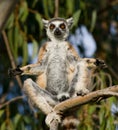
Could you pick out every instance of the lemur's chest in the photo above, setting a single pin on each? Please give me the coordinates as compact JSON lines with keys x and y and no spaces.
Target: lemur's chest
{"x":57,"y":52}
{"x":56,"y":68}
{"x":57,"y":55}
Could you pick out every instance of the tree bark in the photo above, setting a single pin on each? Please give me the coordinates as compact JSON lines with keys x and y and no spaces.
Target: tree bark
{"x":6,"y":7}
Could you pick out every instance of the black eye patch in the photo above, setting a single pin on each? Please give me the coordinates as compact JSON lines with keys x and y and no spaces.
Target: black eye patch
{"x":52,"y":26}
{"x":62,"y":26}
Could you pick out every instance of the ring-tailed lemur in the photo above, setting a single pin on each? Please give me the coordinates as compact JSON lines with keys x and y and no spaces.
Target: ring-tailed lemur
{"x":60,"y":72}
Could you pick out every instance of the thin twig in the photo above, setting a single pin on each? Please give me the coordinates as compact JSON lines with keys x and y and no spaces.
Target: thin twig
{"x":56,"y":8}
{"x":10,"y":101}
{"x":113,"y":73}
{"x":109,"y":78}
{"x":32,"y":11}
{"x":11,"y":56}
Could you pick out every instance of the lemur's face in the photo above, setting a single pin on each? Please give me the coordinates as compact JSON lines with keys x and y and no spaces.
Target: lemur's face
{"x":57,"y":28}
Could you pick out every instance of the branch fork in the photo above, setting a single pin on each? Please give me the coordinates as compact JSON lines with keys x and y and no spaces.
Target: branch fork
{"x":54,"y":114}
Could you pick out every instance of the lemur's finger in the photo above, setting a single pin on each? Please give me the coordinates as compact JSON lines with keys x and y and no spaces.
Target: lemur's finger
{"x":100,"y":63}
{"x":14,"y":72}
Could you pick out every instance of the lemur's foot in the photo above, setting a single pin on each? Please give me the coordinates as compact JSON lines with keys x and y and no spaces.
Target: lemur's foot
{"x":14,"y":72}
{"x":100,"y":63}
{"x":63,"y":96}
{"x":82,"y":92}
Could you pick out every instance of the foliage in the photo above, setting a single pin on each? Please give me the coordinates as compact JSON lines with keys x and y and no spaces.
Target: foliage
{"x":24,"y":26}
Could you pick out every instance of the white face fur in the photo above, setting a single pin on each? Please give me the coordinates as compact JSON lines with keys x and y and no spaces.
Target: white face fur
{"x":58,"y":28}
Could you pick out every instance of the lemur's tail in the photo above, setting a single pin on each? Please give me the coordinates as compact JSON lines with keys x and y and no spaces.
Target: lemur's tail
{"x":70,"y":122}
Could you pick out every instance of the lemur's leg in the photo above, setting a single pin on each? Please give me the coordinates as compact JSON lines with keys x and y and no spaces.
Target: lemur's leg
{"x":34,"y":92}
{"x":83,"y":75}
{"x":32,"y":69}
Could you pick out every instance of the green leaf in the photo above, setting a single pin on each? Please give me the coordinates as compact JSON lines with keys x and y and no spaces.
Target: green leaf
{"x":89,"y":127}
{"x":1,"y":113}
{"x":101,"y":115}
{"x":22,"y":126}
{"x":82,"y":5}
{"x":93,"y":21}
{"x":110,"y":123}
{"x":10,"y":22}
{"x":76,"y":17}
{"x":11,"y":126}
{"x":27,"y":119}
{"x":16,"y":34}
{"x":3,"y":126}
{"x":25,"y":53}
{"x":20,"y":40}
{"x":70,"y":6}
{"x":39,"y":20}
{"x":34,"y":3}
{"x":23,"y":13}
{"x":50,"y":7}
{"x":92,"y":109}
{"x":10,"y":38}
{"x":17,"y":119}
{"x":45,"y":7}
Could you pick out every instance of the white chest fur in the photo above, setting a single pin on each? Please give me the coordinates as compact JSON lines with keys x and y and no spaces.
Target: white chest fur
{"x":57,"y":67}
{"x":57,"y":49}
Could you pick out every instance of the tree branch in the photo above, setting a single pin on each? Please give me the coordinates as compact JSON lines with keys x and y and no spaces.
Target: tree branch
{"x":81,"y":100}
{"x":6,"y":6}
{"x":56,"y":8}
{"x":10,"y":101}
{"x":11,"y":56}
{"x":54,"y":114}
{"x":72,"y":103}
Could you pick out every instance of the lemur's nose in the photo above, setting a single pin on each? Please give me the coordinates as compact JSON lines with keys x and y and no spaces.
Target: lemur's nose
{"x":57,"y":31}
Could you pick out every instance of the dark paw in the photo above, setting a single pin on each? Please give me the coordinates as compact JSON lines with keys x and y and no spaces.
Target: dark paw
{"x":100,"y":63}
{"x":14,"y":72}
{"x":82,"y":93}
{"x":63,"y":98}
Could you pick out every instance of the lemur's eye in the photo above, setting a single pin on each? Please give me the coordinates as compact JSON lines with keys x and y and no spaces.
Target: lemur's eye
{"x":52,"y":26}
{"x":62,"y":26}
{"x":88,"y":61}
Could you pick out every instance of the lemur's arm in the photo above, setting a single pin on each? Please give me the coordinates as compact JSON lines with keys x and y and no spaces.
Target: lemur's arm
{"x":72,"y":58}
{"x":32,"y":69}
{"x":72,"y":55}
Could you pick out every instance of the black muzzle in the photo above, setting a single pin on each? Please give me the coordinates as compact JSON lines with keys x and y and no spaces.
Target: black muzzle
{"x":57,"y":32}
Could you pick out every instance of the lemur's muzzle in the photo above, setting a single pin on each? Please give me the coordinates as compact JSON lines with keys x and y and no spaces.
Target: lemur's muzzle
{"x":57,"y":32}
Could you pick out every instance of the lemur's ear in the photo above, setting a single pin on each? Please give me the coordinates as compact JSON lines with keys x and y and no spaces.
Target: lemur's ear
{"x":45,"y":23}
{"x":69,"y":21}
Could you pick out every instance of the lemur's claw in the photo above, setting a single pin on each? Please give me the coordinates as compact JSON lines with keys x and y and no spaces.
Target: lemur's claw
{"x":82,"y":92}
{"x":14,"y":72}
{"x":100,"y":63}
{"x":63,"y":98}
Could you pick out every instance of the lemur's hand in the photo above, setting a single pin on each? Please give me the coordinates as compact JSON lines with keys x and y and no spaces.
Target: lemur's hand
{"x":14,"y":72}
{"x":100,"y":63}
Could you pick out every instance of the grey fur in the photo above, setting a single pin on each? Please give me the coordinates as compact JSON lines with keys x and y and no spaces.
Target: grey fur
{"x":56,"y":72}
